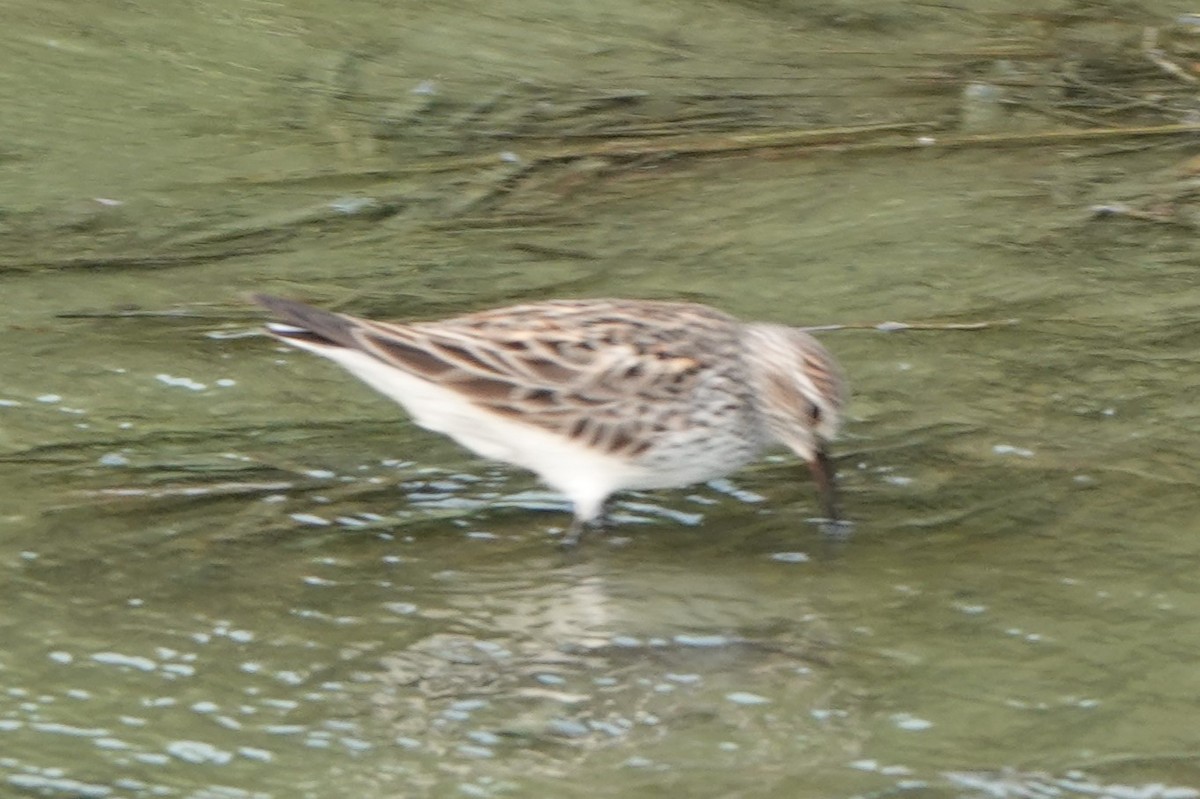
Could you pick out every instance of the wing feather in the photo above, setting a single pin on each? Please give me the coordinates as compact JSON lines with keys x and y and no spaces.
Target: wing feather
{"x":583,"y":369}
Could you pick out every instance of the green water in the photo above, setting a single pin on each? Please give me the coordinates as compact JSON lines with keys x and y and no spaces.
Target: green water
{"x":231,"y":570}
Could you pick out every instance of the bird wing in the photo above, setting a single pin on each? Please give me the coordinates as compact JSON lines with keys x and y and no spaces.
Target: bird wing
{"x":594,"y":371}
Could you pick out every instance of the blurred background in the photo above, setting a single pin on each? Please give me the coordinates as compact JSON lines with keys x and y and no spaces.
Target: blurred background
{"x":231,"y":570}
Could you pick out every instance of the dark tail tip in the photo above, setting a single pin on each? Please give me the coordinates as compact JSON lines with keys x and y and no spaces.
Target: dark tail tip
{"x":327,"y":325}
{"x":277,"y":305}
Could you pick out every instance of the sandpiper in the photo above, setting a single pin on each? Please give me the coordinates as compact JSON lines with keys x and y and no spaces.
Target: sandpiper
{"x":596,"y":396}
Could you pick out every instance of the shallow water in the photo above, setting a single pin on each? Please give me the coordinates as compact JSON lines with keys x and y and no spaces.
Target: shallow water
{"x":230,"y":570}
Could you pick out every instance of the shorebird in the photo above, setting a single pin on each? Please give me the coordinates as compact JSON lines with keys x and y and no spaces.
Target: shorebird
{"x":596,"y":396}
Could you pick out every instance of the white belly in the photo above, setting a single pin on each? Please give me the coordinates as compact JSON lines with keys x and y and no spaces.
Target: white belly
{"x":586,"y":477}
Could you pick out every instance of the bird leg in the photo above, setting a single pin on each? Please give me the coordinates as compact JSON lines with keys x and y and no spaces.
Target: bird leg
{"x":580,"y":526}
{"x":571,"y":537}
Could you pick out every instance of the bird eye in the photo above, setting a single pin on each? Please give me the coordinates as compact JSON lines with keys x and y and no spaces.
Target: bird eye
{"x":814,"y":413}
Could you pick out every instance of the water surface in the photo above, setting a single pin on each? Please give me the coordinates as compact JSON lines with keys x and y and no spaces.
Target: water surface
{"x":230,"y":570}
